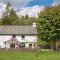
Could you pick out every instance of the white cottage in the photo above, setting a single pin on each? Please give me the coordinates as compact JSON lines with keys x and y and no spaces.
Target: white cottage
{"x":19,"y":36}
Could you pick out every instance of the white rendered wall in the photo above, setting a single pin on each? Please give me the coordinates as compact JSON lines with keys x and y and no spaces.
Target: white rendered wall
{"x":28,"y":39}
{"x":4,"y":38}
{"x":31,"y":38}
{"x":26,"y":45}
{"x":7,"y":45}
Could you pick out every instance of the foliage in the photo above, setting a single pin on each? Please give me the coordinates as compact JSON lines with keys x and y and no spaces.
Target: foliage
{"x":48,"y":24}
{"x":26,"y":17}
{"x":10,"y":17}
{"x":26,"y":22}
{"x":40,"y":42}
{"x":7,"y":9}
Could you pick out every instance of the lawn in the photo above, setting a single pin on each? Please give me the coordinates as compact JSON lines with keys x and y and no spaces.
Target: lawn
{"x":18,"y":55}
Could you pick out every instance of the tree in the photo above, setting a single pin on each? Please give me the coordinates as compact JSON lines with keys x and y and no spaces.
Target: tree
{"x":6,"y":18}
{"x":13,"y":13}
{"x":48,"y":25}
{"x":8,"y":9}
{"x":10,"y":17}
{"x":26,"y":17}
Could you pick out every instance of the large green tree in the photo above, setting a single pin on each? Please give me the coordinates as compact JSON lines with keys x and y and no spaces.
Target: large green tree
{"x":9,"y":16}
{"x":48,"y":25}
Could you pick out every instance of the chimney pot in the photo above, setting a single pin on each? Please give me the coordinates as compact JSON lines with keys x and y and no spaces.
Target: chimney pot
{"x":34,"y":24}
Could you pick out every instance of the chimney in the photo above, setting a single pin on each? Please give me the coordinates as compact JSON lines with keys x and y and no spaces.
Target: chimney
{"x":34,"y":24}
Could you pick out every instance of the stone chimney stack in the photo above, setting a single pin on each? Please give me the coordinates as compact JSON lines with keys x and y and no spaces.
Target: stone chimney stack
{"x":34,"y":24}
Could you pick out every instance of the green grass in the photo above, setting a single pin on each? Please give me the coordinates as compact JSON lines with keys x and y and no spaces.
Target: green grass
{"x":18,"y":55}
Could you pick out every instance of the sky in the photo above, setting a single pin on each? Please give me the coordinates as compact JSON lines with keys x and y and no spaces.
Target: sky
{"x":30,"y":7}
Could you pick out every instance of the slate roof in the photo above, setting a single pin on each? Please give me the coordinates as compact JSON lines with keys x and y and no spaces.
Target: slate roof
{"x":17,"y":30}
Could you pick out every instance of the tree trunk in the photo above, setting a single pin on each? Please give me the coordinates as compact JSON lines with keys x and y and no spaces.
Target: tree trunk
{"x":57,"y":45}
{"x":51,"y":44}
{"x":54,"y":45}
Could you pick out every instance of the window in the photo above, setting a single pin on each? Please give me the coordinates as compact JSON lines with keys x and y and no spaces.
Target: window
{"x":30,"y":45}
{"x":23,"y":36}
{"x":14,"y":36}
{"x":22,"y":45}
{"x":12,"y":45}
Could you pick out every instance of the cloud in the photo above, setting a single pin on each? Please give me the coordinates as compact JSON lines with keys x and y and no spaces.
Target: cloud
{"x":31,"y":11}
{"x":16,"y":3}
{"x":55,"y":2}
{"x":2,"y":9}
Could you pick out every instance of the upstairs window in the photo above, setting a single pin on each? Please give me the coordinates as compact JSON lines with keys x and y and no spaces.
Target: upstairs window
{"x":23,"y":36}
{"x":14,"y":36}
